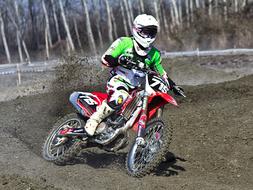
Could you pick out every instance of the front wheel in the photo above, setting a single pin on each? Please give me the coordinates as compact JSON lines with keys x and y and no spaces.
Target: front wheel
{"x":61,"y":150}
{"x":141,"y":160}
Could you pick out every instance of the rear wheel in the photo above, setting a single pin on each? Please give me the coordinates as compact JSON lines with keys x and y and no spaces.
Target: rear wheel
{"x":142,"y":160}
{"x":62,"y":149}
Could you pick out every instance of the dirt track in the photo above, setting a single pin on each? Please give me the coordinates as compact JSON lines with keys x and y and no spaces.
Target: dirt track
{"x":212,"y":146}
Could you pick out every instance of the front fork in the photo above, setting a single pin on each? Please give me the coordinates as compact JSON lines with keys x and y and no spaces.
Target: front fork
{"x":143,"y":119}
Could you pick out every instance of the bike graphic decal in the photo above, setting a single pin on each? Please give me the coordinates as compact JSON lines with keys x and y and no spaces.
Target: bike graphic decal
{"x":88,"y":100}
{"x":158,"y":84}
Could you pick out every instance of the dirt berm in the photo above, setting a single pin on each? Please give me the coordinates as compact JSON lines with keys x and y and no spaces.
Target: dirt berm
{"x":212,"y":145}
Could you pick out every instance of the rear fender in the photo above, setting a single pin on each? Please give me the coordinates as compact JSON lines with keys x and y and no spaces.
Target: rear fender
{"x":86,"y":103}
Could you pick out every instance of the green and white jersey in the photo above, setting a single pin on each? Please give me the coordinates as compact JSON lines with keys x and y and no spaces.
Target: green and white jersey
{"x":125,"y":46}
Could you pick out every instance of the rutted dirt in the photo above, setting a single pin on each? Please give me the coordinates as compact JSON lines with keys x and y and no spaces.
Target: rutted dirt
{"x":211,"y":148}
{"x":212,"y":145}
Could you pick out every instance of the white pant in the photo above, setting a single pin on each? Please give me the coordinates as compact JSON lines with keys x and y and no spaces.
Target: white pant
{"x":118,"y":90}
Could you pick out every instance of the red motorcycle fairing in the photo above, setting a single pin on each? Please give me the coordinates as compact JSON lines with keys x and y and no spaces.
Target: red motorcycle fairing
{"x":155,"y":101}
{"x":89,"y":101}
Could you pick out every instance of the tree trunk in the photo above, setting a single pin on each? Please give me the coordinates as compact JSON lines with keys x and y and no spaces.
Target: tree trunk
{"x":173,"y":22}
{"x":114,"y":25}
{"x":187,"y":12}
{"x":236,"y":5}
{"x":77,"y":34}
{"x":19,"y":33}
{"x":47,"y":23}
{"x":191,"y":11}
{"x":46,"y":43}
{"x":19,"y":48}
{"x":128,"y":14}
{"x":123,"y":18}
{"x":165,"y":21}
{"x":203,"y":4}
{"x":197,"y":4}
{"x":6,"y":47}
{"x":28,"y":60}
{"x":210,"y":8}
{"x":156,"y":11}
{"x":98,"y":18}
{"x":180,"y":11}
{"x":225,"y":10}
{"x":244,"y":3}
{"x":175,"y":12}
{"x":129,"y":5}
{"x":56,"y":21}
{"x":109,"y":21}
{"x":66,"y":26}
{"x":88,"y":27}
{"x":142,"y":6}
{"x":34,"y":37}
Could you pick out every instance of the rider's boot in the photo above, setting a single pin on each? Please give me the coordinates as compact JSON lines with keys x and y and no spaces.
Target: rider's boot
{"x":102,"y":112}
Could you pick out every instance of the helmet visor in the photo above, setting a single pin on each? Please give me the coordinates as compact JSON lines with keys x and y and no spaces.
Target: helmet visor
{"x":148,"y":31}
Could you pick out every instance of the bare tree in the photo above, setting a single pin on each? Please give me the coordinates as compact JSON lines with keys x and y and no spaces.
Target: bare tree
{"x":128,"y":13}
{"x":187,"y":12}
{"x":56,"y":21}
{"x":210,"y":8}
{"x":123,"y":18}
{"x":19,"y":47}
{"x":164,"y":17}
{"x":77,"y":34}
{"x":66,"y":26}
{"x":142,"y":6}
{"x":6,"y":47}
{"x":244,"y":3}
{"x":236,"y":5}
{"x":46,"y":43}
{"x":129,"y":4}
{"x":88,"y":26}
{"x":191,"y":10}
{"x":33,"y":16}
{"x":203,"y":4}
{"x":225,"y":10}
{"x":180,"y":11}
{"x":97,"y":20}
{"x":174,"y":4}
{"x":19,"y":36}
{"x":156,"y":11}
{"x":109,"y":20}
{"x":172,"y":15}
{"x":197,"y":4}
{"x":47,"y":23}
{"x":115,"y":31}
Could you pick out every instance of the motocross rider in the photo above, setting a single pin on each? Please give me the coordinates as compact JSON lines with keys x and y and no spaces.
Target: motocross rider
{"x":138,"y":48}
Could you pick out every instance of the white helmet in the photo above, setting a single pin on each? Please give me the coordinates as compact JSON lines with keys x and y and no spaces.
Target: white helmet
{"x":145,"y":28}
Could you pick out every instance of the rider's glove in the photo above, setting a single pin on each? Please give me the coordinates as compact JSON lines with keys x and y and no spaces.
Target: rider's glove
{"x":110,"y":61}
{"x":169,"y":82}
{"x":123,"y":60}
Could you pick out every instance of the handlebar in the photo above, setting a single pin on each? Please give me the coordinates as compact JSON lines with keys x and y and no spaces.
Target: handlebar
{"x":140,"y":66}
{"x":178,"y":91}
{"x":129,"y":64}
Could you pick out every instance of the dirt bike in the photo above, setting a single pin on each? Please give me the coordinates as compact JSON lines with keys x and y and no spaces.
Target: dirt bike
{"x":141,"y":112}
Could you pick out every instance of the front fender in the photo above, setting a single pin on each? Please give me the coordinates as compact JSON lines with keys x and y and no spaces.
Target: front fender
{"x":163,"y":96}
{"x":155,"y":102}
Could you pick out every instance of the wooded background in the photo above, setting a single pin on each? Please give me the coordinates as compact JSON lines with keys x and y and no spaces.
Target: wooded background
{"x":44,"y":29}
